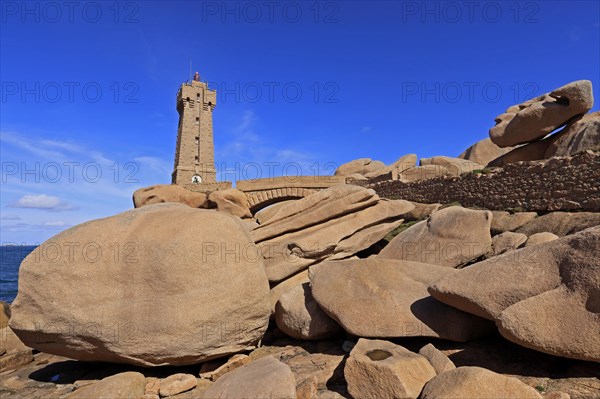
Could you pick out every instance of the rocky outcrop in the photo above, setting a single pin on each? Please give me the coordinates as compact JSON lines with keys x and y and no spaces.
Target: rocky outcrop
{"x":332,"y":224}
{"x":536,"y":294}
{"x":455,"y":166}
{"x":450,"y":237}
{"x":162,"y":193}
{"x":536,"y":118}
{"x":382,"y":370}
{"x":360,"y":166}
{"x":581,"y":133}
{"x":151,"y":286}
{"x":231,"y":201}
{"x":379,"y":298}
{"x":483,"y":152}
{"x":263,"y":378}
{"x":476,"y":382}
{"x":298,"y":315}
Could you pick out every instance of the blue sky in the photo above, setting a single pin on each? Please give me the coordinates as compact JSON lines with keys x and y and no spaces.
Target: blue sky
{"x":88,"y":92}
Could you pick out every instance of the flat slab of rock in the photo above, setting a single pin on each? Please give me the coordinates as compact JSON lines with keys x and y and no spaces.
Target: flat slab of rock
{"x":162,"y":193}
{"x":151,"y":286}
{"x":316,"y":208}
{"x":331,"y":224}
{"x":267,"y":213}
{"x":451,"y":237}
{"x":381,"y":298}
{"x":537,"y":294}
{"x":263,"y":378}
{"x":382,"y":370}
{"x":477,"y":382}
{"x":128,"y":385}
{"x":532,"y":120}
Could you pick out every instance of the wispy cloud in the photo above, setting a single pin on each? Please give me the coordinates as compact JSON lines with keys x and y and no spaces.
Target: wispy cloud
{"x":11,"y":217}
{"x":43,"y":202}
{"x":158,"y":165}
{"x":31,"y":146}
{"x":81,"y":171}
{"x":247,"y":143}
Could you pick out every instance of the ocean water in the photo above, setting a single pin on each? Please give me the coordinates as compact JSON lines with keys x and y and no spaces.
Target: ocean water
{"x":10,"y":260}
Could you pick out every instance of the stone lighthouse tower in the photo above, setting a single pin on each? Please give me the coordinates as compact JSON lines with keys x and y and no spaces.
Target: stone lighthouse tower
{"x":194,"y":155}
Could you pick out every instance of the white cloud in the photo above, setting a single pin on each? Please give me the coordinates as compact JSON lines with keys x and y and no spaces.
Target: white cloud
{"x":42,"y":201}
{"x":366,"y":129}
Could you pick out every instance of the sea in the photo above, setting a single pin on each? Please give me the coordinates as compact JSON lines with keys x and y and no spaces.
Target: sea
{"x":11,"y":257}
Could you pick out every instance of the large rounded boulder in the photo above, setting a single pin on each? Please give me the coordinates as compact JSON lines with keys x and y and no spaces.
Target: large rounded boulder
{"x":165,"y":284}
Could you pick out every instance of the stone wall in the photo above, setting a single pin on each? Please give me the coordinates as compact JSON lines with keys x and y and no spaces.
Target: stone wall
{"x":565,"y":183}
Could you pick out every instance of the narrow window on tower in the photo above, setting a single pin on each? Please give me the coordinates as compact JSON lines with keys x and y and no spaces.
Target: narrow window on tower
{"x":197,"y":139}
{"x":197,"y":120}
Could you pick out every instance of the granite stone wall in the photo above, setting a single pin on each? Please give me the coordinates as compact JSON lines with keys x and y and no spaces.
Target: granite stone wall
{"x":562,"y":183}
